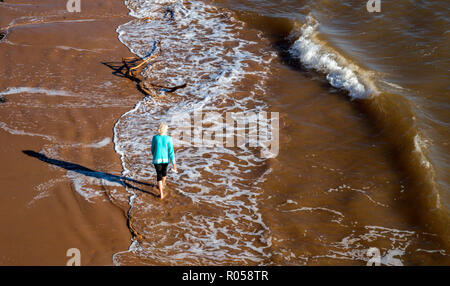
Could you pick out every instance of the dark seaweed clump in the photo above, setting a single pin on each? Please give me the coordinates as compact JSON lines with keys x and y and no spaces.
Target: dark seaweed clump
{"x":2,"y":99}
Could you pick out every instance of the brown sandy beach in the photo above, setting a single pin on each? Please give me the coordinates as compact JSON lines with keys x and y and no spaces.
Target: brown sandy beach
{"x":74,"y":130}
{"x":52,"y":49}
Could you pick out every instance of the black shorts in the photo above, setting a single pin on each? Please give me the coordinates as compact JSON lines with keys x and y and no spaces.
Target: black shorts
{"x":161,"y":171}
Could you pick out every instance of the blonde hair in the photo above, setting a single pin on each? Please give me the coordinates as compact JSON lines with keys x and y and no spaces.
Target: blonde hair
{"x":162,"y":129}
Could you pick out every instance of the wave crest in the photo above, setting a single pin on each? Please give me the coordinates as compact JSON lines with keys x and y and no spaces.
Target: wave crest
{"x":339,"y":71}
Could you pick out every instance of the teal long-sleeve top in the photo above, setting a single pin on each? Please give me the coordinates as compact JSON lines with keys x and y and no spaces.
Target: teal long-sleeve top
{"x":162,"y":149}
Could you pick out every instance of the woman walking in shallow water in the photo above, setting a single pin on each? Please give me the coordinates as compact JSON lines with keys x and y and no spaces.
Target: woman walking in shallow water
{"x":163,"y":154}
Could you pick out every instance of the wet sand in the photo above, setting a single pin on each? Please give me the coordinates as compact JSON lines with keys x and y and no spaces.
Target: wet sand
{"x":57,"y":50}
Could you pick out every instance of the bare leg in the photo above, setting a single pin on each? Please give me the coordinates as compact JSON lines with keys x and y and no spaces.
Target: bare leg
{"x":161,"y":189}
{"x":164,"y":182}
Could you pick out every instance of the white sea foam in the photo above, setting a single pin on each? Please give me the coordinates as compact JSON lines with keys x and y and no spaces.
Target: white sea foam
{"x":203,"y":47}
{"x":49,"y":92}
{"x":84,"y":186}
{"x":339,"y":216}
{"x":421,"y":146}
{"x":100,"y":144}
{"x":33,"y":20}
{"x":43,"y":190}
{"x":339,"y":71}
{"x":346,"y":188}
{"x":79,"y":49}
{"x":393,"y":85}
{"x":14,"y":131}
{"x":93,"y":99}
{"x":354,"y":247}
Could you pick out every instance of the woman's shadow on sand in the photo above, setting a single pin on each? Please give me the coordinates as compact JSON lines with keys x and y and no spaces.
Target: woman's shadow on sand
{"x":124,"y":181}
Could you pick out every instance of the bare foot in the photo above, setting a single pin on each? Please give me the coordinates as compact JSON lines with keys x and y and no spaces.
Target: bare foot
{"x":163,"y":195}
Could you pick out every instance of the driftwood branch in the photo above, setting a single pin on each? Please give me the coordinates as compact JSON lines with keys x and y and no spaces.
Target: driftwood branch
{"x":134,"y":67}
